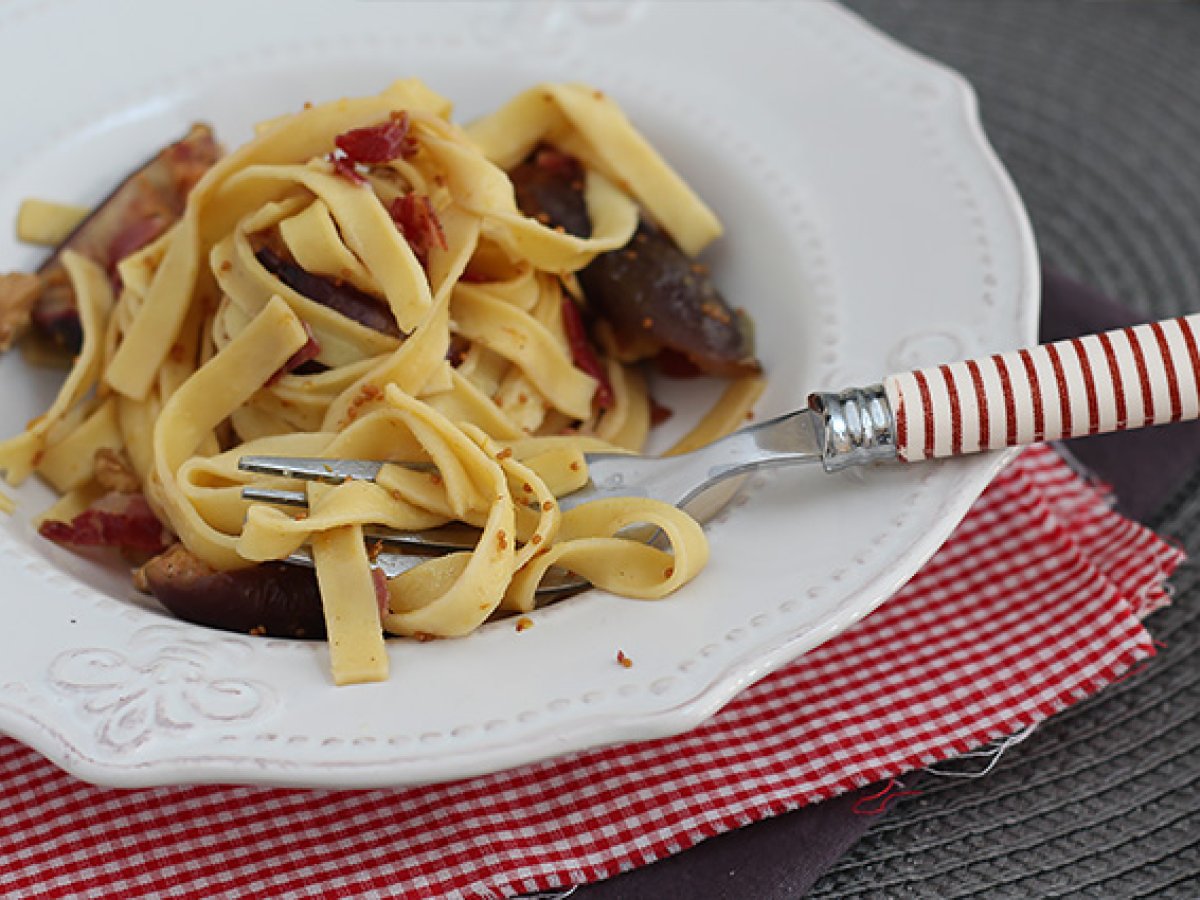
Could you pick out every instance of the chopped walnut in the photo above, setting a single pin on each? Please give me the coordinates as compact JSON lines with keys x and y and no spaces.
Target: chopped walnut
{"x":19,"y":291}
{"x":140,"y":581}
{"x":113,"y":472}
{"x":175,"y":564}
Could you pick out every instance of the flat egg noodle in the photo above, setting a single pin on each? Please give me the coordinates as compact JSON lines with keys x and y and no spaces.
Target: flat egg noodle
{"x":313,"y":238}
{"x":587,"y":545}
{"x":224,"y":383}
{"x":419,"y":359}
{"x":483,"y":188}
{"x":67,"y":464}
{"x":627,"y":422}
{"x":521,"y":339}
{"x":728,"y":414}
{"x":588,"y":125}
{"x":356,"y":649}
{"x":20,"y":455}
{"x":465,"y":588}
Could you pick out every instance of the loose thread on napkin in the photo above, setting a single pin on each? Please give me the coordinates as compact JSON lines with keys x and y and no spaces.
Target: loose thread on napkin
{"x":993,"y":753}
{"x":890,"y":793}
{"x":1141,"y":667}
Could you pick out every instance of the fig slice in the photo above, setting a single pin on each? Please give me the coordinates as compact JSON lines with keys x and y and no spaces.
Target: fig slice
{"x":143,"y":206}
{"x":340,"y":296}
{"x":274,"y":598}
{"x":652,"y":288}
{"x":649,"y":288}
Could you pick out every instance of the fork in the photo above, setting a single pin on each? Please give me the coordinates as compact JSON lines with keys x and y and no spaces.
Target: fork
{"x":1127,"y":378}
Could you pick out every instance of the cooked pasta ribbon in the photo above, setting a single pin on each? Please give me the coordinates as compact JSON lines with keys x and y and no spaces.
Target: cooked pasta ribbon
{"x":588,"y":125}
{"x":20,"y":455}
{"x":315,"y":299}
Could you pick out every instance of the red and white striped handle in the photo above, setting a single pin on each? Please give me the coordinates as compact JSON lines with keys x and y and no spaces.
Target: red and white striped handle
{"x":1128,"y":378}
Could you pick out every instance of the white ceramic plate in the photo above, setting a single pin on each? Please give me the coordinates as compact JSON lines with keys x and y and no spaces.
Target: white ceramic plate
{"x":870,"y":229}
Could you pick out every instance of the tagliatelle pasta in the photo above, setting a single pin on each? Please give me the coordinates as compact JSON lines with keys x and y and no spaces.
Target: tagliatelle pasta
{"x":359,"y":281}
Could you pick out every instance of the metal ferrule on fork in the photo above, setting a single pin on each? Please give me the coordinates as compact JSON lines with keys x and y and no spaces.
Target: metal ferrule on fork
{"x":857,"y":427}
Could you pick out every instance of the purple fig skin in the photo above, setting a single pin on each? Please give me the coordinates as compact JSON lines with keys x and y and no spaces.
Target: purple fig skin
{"x":143,"y":206}
{"x":649,"y":287}
{"x":271,"y":599}
{"x":337,"y":295}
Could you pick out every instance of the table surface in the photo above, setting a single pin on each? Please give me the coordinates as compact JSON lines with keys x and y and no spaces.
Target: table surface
{"x":1094,"y":107}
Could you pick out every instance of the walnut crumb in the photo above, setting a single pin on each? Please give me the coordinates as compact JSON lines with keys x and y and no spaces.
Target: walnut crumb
{"x":141,"y":581}
{"x":113,"y":472}
{"x":624,"y":660}
{"x":524,"y":623}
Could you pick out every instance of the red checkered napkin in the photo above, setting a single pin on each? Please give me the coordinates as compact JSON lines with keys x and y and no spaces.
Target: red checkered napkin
{"x":1033,"y":604}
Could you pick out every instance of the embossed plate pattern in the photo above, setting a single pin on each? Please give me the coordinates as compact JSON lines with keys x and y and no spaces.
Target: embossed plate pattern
{"x":869,"y":227}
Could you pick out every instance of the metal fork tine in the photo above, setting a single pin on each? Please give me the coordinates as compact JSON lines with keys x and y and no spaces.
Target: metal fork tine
{"x":278,"y":497}
{"x":330,"y":471}
{"x":391,"y":564}
{"x":438,"y":540}
{"x":555,"y":582}
{"x":446,"y":538}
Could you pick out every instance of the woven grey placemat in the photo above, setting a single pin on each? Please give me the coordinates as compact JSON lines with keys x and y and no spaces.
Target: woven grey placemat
{"x":1095,"y":109}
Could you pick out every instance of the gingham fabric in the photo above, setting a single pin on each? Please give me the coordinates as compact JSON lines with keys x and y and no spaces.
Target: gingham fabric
{"x":1034,"y":603}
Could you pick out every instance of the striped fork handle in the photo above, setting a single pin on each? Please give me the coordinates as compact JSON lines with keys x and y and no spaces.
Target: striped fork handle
{"x":1128,"y":378}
